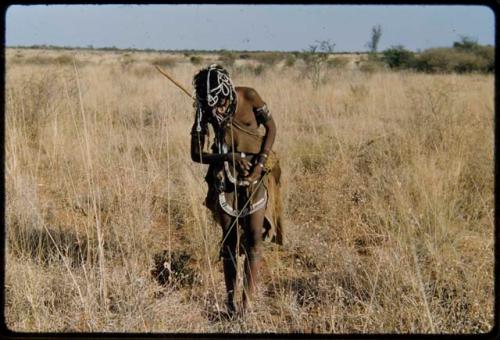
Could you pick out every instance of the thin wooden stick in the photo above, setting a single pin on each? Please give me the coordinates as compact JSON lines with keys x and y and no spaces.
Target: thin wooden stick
{"x":173,"y":81}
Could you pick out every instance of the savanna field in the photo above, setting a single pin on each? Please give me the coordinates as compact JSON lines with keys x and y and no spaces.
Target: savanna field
{"x":387,"y":190}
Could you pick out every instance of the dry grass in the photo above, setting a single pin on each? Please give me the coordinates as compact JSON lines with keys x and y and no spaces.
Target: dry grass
{"x":388,"y":196}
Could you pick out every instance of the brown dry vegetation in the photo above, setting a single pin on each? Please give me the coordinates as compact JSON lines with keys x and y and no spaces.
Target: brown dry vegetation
{"x":388,"y":196}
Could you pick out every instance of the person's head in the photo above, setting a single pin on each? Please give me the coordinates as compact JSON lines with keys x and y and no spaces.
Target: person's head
{"x":214,"y":89}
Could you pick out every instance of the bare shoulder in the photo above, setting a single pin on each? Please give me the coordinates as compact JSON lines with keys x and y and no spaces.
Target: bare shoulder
{"x":251,"y":95}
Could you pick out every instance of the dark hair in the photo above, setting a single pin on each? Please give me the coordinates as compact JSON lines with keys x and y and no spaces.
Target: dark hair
{"x":200,"y":82}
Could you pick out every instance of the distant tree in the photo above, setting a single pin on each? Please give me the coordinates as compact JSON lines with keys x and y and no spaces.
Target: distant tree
{"x":326,"y":46}
{"x":466,"y":43}
{"x":313,"y":48}
{"x":316,"y":59}
{"x":374,"y":39}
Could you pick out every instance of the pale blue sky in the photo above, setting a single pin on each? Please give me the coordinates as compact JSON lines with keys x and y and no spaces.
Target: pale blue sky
{"x":245,"y":27}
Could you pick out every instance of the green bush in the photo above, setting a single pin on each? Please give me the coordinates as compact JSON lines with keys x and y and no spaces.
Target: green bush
{"x":290,"y":60}
{"x":488,"y":54}
{"x":465,"y":56}
{"x":445,"y":60}
{"x":466,"y":44}
{"x":397,"y":57}
{"x":195,"y":60}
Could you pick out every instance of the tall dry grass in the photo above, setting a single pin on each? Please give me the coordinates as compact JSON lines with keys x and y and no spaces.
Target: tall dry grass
{"x":387,"y":190}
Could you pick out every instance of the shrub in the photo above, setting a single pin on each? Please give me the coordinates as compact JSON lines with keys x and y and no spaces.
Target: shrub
{"x":315,"y":64}
{"x":259,"y":69}
{"x":468,"y":62}
{"x":397,"y":57}
{"x":446,"y":60}
{"x":466,"y":55}
{"x":488,"y":54}
{"x":315,"y":60}
{"x":466,"y":44}
{"x":290,"y":60}
{"x":195,"y":60}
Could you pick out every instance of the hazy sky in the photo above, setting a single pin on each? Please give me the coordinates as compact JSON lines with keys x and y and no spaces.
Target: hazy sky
{"x":245,"y":27}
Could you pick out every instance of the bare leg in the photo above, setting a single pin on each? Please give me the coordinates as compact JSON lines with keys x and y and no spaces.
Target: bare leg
{"x":253,"y":234}
{"x":229,"y":257}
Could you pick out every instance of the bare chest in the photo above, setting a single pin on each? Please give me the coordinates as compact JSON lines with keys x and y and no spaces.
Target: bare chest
{"x":244,"y":114}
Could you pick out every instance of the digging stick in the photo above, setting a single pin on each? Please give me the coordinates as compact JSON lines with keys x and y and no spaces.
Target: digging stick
{"x":173,"y":81}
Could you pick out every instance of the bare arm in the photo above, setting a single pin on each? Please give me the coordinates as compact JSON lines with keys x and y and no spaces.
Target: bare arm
{"x":198,"y":140}
{"x":263,"y":116}
{"x":270,"y":136}
{"x":198,"y":155}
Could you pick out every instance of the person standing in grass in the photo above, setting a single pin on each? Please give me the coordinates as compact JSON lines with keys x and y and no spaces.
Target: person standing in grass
{"x":243,"y":175}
